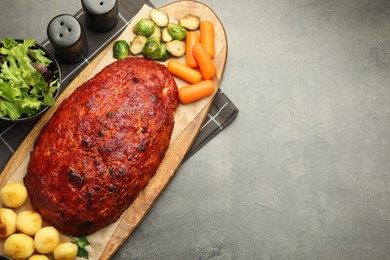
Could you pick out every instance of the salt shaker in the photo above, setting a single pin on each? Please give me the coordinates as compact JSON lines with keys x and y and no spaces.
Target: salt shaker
{"x":101,"y":15}
{"x":68,"y":39}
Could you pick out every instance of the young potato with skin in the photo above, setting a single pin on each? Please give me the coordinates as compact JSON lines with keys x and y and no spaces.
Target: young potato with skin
{"x":19,"y":246}
{"x":7,"y":222}
{"x":65,"y":251}
{"x":29,"y":222}
{"x":38,"y":257}
{"x":13,"y":194}
{"x":46,"y":240}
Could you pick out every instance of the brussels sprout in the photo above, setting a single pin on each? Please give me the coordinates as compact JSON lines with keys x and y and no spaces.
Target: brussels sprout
{"x":190,"y":22}
{"x":176,"y":31}
{"x":157,"y":32}
{"x":152,"y":48}
{"x":160,"y":17}
{"x":137,"y":44}
{"x":144,"y":27}
{"x":164,"y":54}
{"x":121,"y":49}
{"x":165,"y":36}
{"x":176,"y":48}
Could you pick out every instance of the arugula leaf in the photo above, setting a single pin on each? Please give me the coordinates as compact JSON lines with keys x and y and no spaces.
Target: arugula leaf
{"x":82,"y":242}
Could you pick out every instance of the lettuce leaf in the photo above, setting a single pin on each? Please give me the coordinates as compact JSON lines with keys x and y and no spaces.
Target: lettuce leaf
{"x":26,"y":85}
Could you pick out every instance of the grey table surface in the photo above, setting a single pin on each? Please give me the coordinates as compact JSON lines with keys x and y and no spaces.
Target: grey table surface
{"x":304,"y":170}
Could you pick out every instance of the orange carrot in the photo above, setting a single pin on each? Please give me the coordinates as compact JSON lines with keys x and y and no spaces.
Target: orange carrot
{"x":207,"y":37}
{"x":205,"y":63}
{"x":196,"y":91}
{"x":184,"y":72}
{"x":192,"y":38}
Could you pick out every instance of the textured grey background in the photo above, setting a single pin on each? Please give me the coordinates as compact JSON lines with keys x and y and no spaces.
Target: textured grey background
{"x":304,"y":170}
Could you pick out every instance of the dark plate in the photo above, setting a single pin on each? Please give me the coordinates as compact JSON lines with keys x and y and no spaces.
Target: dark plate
{"x":53,"y":67}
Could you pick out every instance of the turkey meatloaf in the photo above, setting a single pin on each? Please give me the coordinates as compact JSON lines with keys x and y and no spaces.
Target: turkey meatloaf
{"x":102,"y":146}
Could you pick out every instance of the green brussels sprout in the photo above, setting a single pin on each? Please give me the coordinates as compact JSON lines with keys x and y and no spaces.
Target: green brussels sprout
{"x":144,"y":27}
{"x":121,"y":49}
{"x":137,"y":44}
{"x":152,"y":48}
{"x":164,"y":54}
{"x":176,"y":31}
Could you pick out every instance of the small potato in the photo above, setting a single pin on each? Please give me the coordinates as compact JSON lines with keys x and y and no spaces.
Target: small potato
{"x":13,"y":194}
{"x":19,"y":246}
{"x":7,"y":222}
{"x":46,"y":239}
{"x":29,"y":222}
{"x":38,"y":257}
{"x":65,"y":251}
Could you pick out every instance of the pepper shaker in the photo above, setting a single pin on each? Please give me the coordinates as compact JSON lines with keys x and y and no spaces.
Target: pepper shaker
{"x":68,"y":39}
{"x":101,"y":15}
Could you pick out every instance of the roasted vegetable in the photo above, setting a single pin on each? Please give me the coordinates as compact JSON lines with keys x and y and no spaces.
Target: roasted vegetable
{"x":164,"y":54}
{"x":137,"y":44}
{"x":144,"y":27}
{"x":176,"y":31}
{"x":38,"y":257}
{"x":13,"y":194}
{"x":157,"y":32}
{"x":165,"y":36}
{"x":29,"y":222}
{"x":160,"y":17}
{"x":19,"y":246}
{"x":190,"y":22}
{"x":65,"y":250}
{"x":152,"y":48}
{"x":46,"y":239}
{"x":176,"y":48}
{"x":121,"y":50}
{"x":7,"y":222}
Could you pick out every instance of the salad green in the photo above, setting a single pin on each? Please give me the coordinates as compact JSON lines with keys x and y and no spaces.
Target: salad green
{"x":26,"y":83}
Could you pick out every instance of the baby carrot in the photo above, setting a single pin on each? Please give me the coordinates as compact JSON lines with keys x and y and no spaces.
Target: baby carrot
{"x":196,"y":91}
{"x":184,"y":72}
{"x":207,"y":37}
{"x":205,"y":63}
{"x":192,"y":38}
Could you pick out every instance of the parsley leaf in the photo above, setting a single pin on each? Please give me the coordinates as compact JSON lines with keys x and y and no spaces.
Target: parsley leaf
{"x":82,"y":242}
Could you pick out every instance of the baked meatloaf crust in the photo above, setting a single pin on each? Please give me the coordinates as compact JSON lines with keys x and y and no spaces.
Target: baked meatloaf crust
{"x":102,"y":146}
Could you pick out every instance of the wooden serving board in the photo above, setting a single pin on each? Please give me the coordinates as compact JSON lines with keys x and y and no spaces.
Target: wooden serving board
{"x":186,"y":134}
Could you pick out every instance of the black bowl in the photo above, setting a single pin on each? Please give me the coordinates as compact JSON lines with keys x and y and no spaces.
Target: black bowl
{"x":54,"y":66}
